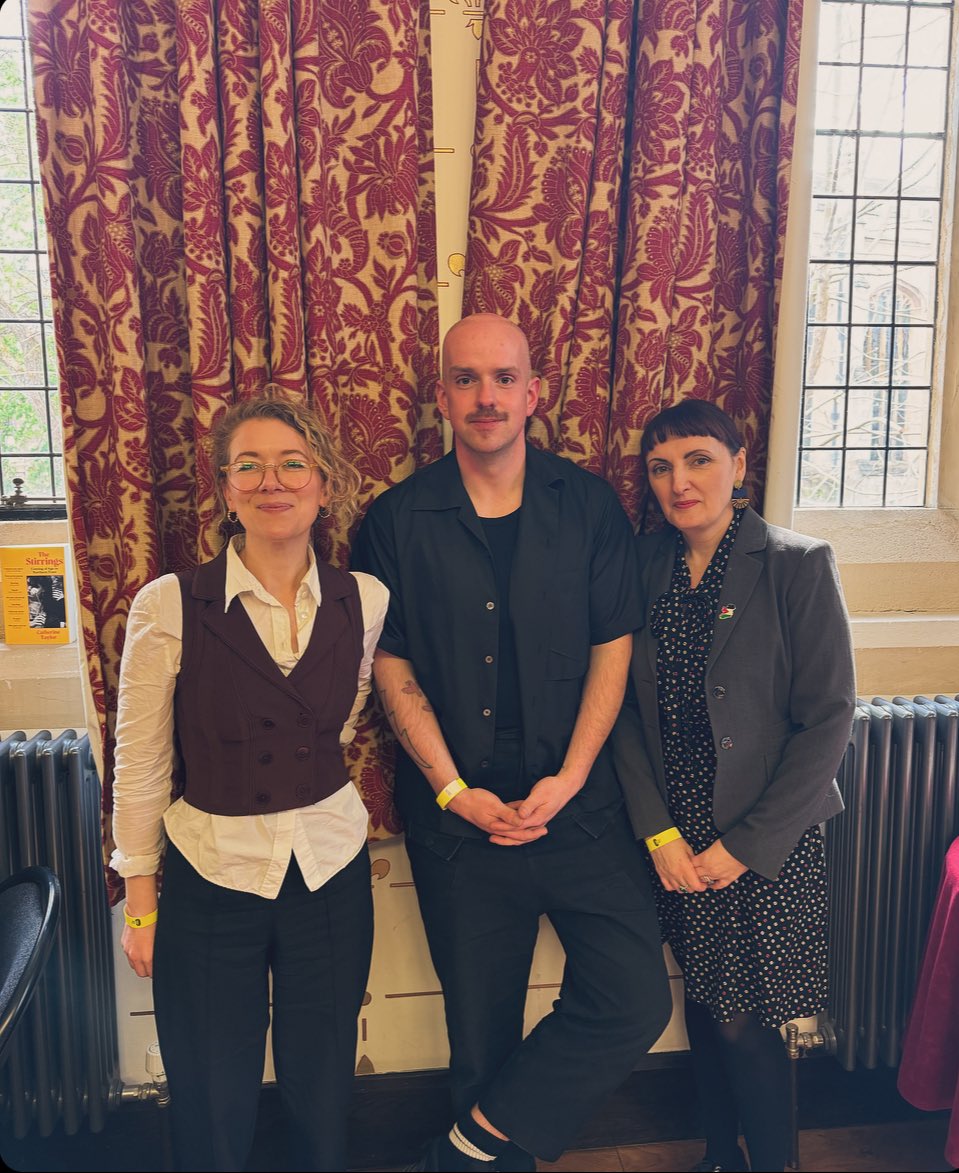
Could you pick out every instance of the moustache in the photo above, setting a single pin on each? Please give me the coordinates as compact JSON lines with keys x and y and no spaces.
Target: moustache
{"x":485,"y":417}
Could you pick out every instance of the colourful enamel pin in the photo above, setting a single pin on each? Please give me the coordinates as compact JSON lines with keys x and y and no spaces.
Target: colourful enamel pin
{"x":727,"y":612}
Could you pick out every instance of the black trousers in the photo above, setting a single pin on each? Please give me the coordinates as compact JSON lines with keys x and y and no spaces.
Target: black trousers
{"x":481,"y":906}
{"x":215,"y":948}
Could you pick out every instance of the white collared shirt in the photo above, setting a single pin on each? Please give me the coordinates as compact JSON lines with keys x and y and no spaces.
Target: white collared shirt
{"x":250,"y":853}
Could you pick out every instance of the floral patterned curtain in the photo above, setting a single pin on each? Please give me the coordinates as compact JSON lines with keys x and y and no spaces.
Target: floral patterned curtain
{"x":236,"y":192}
{"x":628,"y":209}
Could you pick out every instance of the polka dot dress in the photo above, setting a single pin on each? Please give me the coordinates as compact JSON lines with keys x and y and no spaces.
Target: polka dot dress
{"x":757,"y":946}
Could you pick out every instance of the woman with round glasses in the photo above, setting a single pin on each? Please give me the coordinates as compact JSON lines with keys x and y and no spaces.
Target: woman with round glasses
{"x":250,"y":673}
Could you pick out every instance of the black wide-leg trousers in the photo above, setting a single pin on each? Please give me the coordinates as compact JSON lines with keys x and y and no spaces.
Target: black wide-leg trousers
{"x":215,"y":949}
{"x":481,"y":906}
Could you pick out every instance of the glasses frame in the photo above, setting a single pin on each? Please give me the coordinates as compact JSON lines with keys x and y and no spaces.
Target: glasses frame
{"x":263,"y":466}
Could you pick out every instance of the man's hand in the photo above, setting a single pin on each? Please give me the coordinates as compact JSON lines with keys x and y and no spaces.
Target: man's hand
{"x":484,"y":810}
{"x":547,"y":798}
{"x":675,"y":866}
{"x":719,"y":868}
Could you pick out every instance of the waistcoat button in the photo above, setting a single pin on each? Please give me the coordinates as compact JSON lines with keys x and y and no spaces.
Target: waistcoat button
{"x":303,"y":719}
{"x":302,"y":791}
{"x":268,"y":723}
{"x":265,"y":759}
{"x":303,"y":752}
{"x":262,"y":797}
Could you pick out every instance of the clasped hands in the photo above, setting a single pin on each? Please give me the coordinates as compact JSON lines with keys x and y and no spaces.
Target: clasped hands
{"x":680,"y":869}
{"x":522,"y":820}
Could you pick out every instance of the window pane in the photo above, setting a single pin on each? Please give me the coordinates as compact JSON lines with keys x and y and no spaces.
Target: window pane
{"x":19,"y":295}
{"x":823,"y":412}
{"x":881,"y":105}
{"x":925,"y":101}
{"x":872,"y":299}
{"x":834,"y":164}
{"x":912,"y":356}
{"x":831,"y":230}
{"x":905,"y":483}
{"x":23,"y":421}
{"x":840,"y":32}
{"x":828,"y":293}
{"x":10,"y":23}
{"x":884,"y":35}
{"x":863,"y":478}
{"x":56,"y":423}
{"x":826,"y":350}
{"x":871,"y":354}
{"x":11,"y":75}
{"x":16,"y":215}
{"x":21,"y":364}
{"x":916,"y":294}
{"x":909,"y":418}
{"x":34,"y":471}
{"x":819,"y":478}
{"x":928,"y":37}
{"x":879,"y":162}
{"x":837,"y":97}
{"x":866,"y":418}
{"x":14,"y":161}
{"x":919,"y":230}
{"x":876,"y":229}
{"x":922,"y":167}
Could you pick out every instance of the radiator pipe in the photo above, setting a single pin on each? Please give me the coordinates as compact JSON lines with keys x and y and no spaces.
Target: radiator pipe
{"x":800,"y":1045}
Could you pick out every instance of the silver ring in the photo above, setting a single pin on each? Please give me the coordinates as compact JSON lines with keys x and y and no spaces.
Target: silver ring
{"x":684,"y":889}
{"x":707,"y":879}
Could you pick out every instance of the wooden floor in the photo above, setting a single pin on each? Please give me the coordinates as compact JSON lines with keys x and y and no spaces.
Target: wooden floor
{"x":903,"y":1147}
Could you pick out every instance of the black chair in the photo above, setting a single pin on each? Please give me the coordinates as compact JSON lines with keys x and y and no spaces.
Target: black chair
{"x":29,"y":912}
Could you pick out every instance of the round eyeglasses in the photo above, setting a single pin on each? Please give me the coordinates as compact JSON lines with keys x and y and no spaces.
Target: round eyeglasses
{"x":246,"y":475}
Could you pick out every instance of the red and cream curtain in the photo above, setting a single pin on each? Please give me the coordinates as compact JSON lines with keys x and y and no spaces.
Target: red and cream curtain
{"x":236,"y":192}
{"x":628,"y":209}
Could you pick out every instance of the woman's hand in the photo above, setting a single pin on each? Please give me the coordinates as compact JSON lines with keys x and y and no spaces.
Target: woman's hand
{"x":137,"y":944}
{"x":675,"y":866}
{"x":716,"y":867}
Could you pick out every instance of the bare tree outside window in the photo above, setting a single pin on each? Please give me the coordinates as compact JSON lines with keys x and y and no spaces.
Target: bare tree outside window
{"x":871,"y":311}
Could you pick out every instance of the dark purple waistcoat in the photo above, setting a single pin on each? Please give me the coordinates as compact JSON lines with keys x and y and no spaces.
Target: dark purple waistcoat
{"x":252,"y":740}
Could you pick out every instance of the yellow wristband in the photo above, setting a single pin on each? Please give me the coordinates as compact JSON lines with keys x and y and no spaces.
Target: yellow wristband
{"x":449,"y":792}
{"x":664,"y":837}
{"x":140,"y":922}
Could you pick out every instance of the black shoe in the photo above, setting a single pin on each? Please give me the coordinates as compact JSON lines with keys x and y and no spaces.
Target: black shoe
{"x":439,"y":1156}
{"x":515,"y":1160}
{"x":708,"y":1165}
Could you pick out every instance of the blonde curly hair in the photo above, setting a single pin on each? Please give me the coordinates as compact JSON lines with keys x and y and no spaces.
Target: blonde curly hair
{"x":341,"y":478}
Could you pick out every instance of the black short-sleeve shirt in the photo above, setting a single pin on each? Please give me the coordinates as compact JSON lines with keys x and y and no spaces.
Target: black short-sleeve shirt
{"x":573,"y":585}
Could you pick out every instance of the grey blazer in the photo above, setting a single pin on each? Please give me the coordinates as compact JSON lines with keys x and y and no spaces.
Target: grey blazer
{"x":780,"y":692}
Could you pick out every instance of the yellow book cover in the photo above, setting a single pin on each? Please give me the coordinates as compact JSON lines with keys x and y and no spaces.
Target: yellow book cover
{"x":32,"y":579}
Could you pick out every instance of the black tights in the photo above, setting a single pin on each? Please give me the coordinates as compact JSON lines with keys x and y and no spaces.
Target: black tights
{"x":742,"y":1075}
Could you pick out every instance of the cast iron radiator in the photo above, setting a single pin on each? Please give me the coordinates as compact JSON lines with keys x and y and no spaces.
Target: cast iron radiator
{"x":885,"y":855}
{"x":63,"y":1061}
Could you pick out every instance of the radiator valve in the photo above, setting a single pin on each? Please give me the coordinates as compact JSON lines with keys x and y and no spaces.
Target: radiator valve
{"x":802,"y":1044}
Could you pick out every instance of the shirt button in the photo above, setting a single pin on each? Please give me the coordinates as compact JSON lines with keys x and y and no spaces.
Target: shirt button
{"x":268,"y":722}
{"x":726,"y":743}
{"x":265,"y":759}
{"x":489,"y":659}
{"x":303,"y":752}
{"x":484,"y":764}
{"x":487,"y":712}
{"x":261,"y":798}
{"x":303,"y":719}
{"x":719,"y":692}
{"x":490,"y":605}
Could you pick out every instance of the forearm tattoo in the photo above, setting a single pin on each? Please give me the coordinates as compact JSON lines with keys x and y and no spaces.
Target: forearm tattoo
{"x":411,"y":688}
{"x":401,"y":732}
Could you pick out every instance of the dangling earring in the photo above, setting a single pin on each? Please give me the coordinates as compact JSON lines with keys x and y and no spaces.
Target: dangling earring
{"x":323,"y":512}
{"x":231,"y":516}
{"x":740,"y":496}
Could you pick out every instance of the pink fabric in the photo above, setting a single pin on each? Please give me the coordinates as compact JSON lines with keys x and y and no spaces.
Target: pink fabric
{"x":929,"y":1072}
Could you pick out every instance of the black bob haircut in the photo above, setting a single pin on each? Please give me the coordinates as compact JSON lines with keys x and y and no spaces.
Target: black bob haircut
{"x":690,"y":417}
